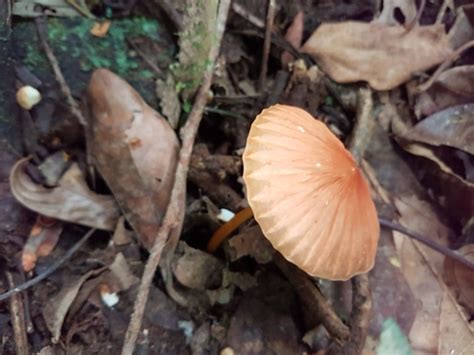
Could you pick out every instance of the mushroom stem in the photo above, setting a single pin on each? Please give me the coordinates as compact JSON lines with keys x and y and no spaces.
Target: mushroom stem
{"x":226,"y":229}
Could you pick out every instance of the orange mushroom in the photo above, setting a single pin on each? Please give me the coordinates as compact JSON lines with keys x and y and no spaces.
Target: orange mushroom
{"x":308,"y":195}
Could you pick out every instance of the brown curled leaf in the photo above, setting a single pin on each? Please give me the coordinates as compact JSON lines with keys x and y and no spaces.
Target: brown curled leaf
{"x":384,"y":56}
{"x":70,"y":201}
{"x":42,"y":239}
{"x":134,"y":149}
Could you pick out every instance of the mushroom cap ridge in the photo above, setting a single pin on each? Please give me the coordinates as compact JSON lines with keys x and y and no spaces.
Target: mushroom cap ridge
{"x":308,"y":195}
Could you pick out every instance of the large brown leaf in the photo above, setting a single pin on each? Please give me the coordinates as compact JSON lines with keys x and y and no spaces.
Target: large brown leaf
{"x":135,"y":150}
{"x":384,"y":56}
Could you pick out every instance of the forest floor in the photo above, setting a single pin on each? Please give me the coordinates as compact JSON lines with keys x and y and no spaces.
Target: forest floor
{"x":115,"y":238}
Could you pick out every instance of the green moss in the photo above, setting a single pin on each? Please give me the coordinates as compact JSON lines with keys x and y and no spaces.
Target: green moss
{"x":111,"y":52}
{"x":79,"y":52}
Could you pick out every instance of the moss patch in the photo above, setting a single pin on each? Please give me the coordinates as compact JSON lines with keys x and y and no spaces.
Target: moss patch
{"x":79,"y":53}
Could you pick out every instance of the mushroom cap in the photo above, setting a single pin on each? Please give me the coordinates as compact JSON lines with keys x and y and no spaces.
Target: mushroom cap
{"x":308,"y":195}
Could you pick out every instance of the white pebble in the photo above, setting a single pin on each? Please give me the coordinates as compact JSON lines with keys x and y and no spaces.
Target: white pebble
{"x":225,"y":215}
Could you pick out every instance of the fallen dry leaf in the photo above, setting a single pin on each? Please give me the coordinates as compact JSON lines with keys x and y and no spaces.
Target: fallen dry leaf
{"x":422,"y":268}
{"x":71,"y":201}
{"x":453,"y":87}
{"x":135,"y":150}
{"x":384,"y":56}
{"x":120,"y":270}
{"x":42,"y":239}
{"x":462,"y":30}
{"x":294,"y":36}
{"x":55,"y":311}
{"x":122,"y":235}
{"x":456,"y":334}
{"x":452,"y":127}
{"x":407,"y":8}
{"x":452,"y":188}
{"x":460,"y":278}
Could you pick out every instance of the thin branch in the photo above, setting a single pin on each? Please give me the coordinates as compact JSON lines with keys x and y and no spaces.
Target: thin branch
{"x":50,"y":269}
{"x":174,"y":213}
{"x":361,"y":298}
{"x":145,"y":58}
{"x":364,"y":125}
{"x":409,"y":26}
{"x":224,"y":112}
{"x":266,"y":44}
{"x":454,"y":56}
{"x":360,"y":315}
{"x":442,"y":10}
{"x":41,"y":28}
{"x":243,"y":12}
{"x":276,"y":38}
{"x":428,"y":242}
{"x":17,"y":316}
{"x":313,"y":300}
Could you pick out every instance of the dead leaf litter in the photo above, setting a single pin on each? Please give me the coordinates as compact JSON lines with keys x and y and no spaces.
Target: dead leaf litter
{"x":124,"y":146}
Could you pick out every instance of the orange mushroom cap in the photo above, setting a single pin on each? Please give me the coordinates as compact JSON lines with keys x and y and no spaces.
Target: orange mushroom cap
{"x":308,"y":195}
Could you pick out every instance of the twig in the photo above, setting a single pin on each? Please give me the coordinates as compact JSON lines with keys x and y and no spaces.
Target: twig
{"x":454,"y":56}
{"x":17,"y":317}
{"x":266,"y":44}
{"x":242,"y":11}
{"x":360,"y":315}
{"x":174,"y":214}
{"x":49,"y":270}
{"x":409,"y":26}
{"x":364,"y":125}
{"x":361,"y":299}
{"x":147,"y":60}
{"x":82,"y":9}
{"x":442,"y":10}
{"x":40,"y":29}
{"x":276,"y":38}
{"x":428,"y":242}
{"x":26,"y":302}
{"x":279,"y":42}
{"x":281,"y":80}
{"x":222,"y":112}
{"x":313,"y":301}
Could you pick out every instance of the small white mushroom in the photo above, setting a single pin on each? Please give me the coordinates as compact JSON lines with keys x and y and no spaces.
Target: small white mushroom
{"x":27,"y":97}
